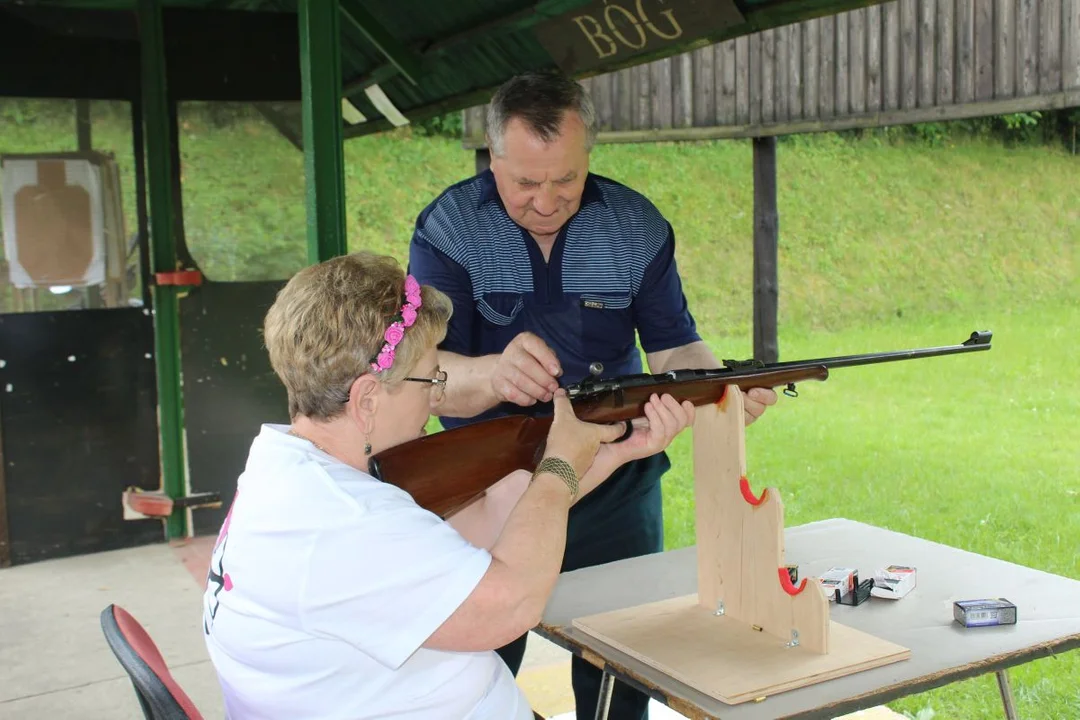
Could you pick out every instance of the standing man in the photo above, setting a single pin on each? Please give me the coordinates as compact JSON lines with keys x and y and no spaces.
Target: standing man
{"x":550,"y":269}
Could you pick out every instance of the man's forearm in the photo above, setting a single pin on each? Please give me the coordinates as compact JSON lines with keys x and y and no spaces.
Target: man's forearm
{"x":468,"y":384}
{"x":696,"y":356}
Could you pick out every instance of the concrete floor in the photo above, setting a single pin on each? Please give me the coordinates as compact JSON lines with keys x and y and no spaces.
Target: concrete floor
{"x":55,"y":663}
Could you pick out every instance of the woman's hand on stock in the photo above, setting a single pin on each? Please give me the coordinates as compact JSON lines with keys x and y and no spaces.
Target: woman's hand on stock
{"x":664,"y":419}
{"x":575,"y":441}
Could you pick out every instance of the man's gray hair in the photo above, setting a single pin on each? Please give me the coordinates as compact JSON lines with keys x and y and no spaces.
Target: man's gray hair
{"x":539,"y":100}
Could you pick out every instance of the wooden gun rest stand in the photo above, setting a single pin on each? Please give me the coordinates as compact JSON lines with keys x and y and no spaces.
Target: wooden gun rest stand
{"x":749,"y":631}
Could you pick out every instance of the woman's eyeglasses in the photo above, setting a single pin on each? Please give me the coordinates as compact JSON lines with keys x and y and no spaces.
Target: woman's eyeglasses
{"x":439,"y":383}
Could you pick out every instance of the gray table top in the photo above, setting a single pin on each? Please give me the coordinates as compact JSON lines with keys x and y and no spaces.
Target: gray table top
{"x":1048,"y":612}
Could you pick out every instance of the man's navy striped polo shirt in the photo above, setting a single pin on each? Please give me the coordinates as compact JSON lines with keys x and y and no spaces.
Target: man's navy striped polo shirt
{"x":611,"y":272}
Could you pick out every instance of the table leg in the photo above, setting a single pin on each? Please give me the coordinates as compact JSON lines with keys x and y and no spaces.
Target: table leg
{"x":1006,"y":694}
{"x":607,"y":683}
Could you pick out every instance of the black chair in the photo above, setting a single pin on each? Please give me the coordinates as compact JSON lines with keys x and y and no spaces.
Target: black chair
{"x":160,"y":696}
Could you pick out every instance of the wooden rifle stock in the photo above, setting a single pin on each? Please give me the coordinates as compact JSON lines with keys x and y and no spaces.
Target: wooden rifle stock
{"x":448,"y":470}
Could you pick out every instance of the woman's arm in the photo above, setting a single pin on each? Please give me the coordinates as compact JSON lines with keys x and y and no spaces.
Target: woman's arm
{"x":527,"y":555}
{"x":525,"y":561}
{"x":483,"y":521}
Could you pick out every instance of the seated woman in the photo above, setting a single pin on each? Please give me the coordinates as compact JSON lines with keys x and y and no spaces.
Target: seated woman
{"x":334,"y":595}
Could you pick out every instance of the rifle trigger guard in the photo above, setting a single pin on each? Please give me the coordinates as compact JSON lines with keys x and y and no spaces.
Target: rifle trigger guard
{"x":790,"y":390}
{"x":628,"y":433}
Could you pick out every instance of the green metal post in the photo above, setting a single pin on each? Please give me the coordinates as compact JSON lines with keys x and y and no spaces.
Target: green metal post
{"x":324,"y":162}
{"x":163,"y":249}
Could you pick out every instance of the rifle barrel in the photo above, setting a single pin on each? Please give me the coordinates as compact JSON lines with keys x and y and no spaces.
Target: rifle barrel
{"x":979,"y":340}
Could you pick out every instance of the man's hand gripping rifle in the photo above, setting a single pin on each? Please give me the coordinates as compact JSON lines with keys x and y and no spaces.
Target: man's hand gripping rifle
{"x":447,"y":470}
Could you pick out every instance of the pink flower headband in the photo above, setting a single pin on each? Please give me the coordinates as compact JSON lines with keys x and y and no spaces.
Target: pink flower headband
{"x":394,"y":334}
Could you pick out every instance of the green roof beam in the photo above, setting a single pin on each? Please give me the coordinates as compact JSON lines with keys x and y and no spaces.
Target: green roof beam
{"x":406,"y":62}
{"x":376,"y":76}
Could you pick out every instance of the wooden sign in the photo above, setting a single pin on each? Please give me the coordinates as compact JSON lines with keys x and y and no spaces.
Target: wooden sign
{"x":606,"y":32}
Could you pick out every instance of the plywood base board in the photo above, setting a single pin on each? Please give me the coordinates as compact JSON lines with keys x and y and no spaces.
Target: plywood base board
{"x":726,"y":658}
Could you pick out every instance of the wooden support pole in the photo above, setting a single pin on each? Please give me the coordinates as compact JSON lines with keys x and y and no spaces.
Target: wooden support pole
{"x":766,"y":240}
{"x":141,"y":213}
{"x":5,"y":533}
{"x":85,"y":143}
{"x":82,"y":125}
{"x":324,"y":163}
{"x":176,"y":188}
{"x":483,"y":160}
{"x":166,"y":303}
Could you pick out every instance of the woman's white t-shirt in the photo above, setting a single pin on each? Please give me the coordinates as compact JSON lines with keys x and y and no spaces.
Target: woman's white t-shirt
{"x":323,"y":586}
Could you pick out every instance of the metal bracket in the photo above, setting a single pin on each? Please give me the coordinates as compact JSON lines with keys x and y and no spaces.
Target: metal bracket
{"x":184,"y":278}
{"x":794,"y":639}
{"x":139,"y":504}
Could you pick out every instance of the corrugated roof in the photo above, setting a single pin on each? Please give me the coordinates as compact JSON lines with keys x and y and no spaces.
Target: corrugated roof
{"x":430,"y":58}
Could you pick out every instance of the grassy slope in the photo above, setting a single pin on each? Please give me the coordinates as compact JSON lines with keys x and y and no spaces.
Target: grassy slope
{"x":882,"y":247}
{"x":868,"y":230}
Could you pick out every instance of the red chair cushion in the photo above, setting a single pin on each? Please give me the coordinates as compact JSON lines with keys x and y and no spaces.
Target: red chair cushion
{"x":143,"y":646}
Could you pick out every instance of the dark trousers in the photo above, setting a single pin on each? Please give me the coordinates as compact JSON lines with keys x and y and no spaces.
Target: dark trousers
{"x":622,"y":518}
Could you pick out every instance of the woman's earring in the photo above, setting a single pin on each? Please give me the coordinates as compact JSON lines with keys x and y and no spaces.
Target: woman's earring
{"x":367,"y":447}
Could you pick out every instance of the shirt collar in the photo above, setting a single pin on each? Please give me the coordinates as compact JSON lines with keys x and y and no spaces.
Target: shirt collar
{"x":488,"y":192}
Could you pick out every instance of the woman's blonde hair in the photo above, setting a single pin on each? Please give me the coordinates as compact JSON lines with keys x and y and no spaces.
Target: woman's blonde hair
{"x":327,"y":324}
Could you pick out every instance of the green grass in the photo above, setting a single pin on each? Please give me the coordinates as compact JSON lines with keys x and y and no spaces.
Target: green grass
{"x":884,"y":246}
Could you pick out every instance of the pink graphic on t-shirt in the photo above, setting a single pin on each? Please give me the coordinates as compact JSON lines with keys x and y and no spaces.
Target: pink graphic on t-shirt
{"x":217,"y":579}
{"x":228,"y":519}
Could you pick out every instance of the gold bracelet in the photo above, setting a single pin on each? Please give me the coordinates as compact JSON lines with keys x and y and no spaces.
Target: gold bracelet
{"x":561,"y":468}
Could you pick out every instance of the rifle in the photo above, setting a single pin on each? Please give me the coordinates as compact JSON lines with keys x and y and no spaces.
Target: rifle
{"x":447,"y":470}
